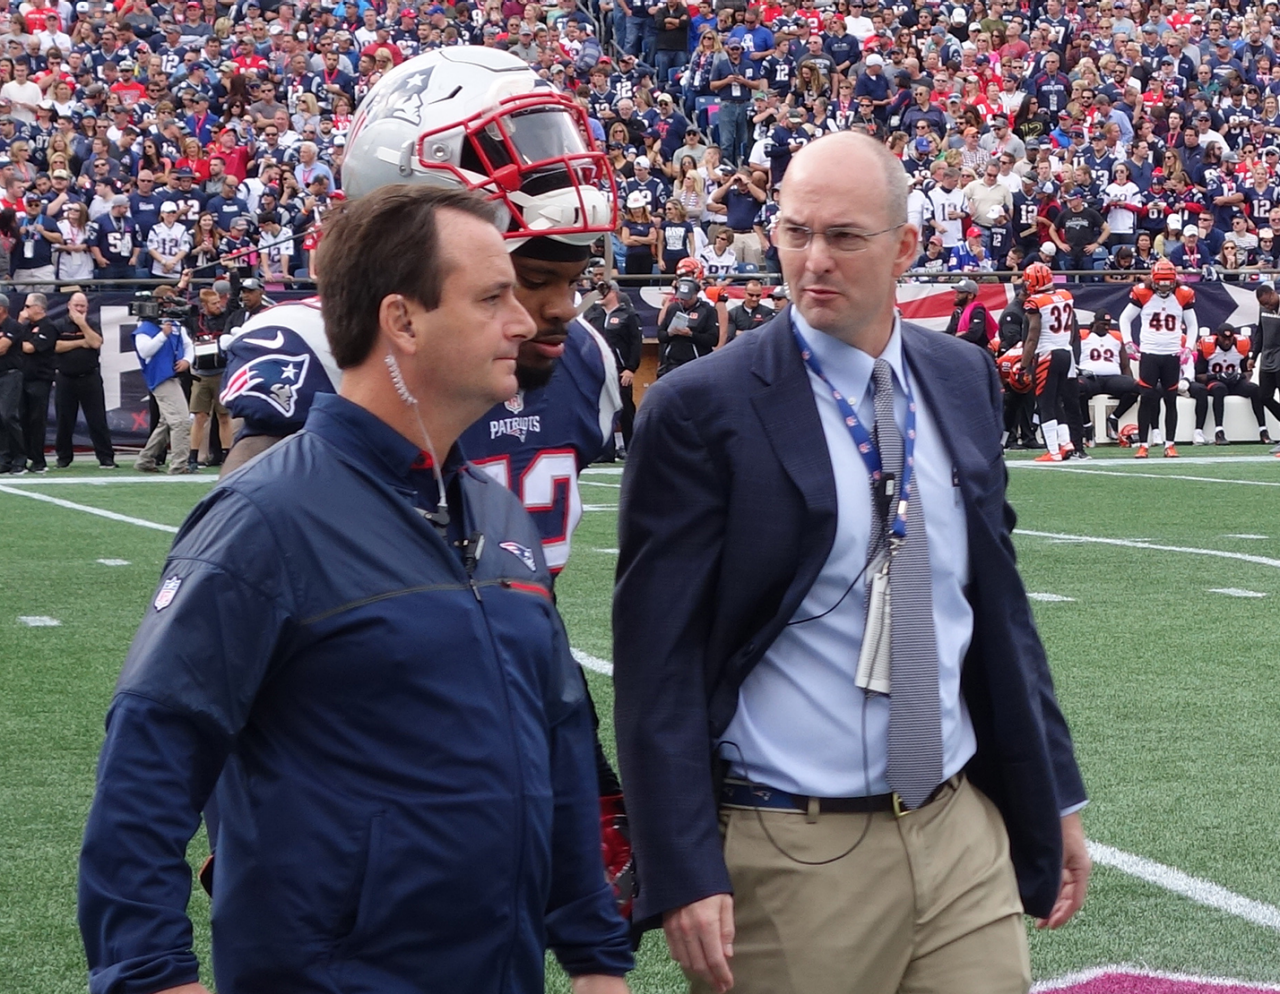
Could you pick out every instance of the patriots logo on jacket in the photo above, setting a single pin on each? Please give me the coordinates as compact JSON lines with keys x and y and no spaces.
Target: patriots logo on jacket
{"x":525,"y":555}
{"x":274,"y":378}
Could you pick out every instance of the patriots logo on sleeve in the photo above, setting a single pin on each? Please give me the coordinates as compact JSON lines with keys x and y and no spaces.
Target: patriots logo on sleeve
{"x":523,"y":553}
{"x":274,"y":378}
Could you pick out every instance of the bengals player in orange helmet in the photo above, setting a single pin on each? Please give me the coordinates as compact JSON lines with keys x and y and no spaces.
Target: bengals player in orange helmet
{"x":1052,"y":333}
{"x":1162,"y":309}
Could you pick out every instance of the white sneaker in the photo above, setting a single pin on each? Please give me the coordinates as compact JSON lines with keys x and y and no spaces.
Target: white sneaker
{"x":1198,"y":438}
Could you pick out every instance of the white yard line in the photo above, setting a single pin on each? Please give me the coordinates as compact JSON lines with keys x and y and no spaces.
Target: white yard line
{"x":38,"y":621}
{"x":1134,"y":474}
{"x":593,"y":663}
{"x":103,"y":481}
{"x":1130,"y":544}
{"x":1052,"y":598}
{"x":99,"y":512}
{"x":1084,"y":976}
{"x":1197,"y":889}
{"x":603,"y":471}
{"x":597,"y":483}
{"x":1236,"y":592}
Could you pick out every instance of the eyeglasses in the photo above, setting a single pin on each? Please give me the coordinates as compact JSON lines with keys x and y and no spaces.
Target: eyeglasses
{"x":797,"y":238}
{"x":752,"y":296}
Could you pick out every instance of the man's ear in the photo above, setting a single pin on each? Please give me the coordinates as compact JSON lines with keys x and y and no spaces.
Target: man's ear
{"x":395,"y":323}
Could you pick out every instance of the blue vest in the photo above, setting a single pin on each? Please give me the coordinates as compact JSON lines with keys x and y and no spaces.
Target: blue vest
{"x":159,"y":367}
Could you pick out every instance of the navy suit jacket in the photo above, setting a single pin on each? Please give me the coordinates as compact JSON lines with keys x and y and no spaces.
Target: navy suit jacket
{"x":728,"y":514}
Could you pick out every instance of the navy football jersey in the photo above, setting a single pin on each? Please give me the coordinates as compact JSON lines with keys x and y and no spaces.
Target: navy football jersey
{"x":535,"y":444}
{"x":538,"y":442}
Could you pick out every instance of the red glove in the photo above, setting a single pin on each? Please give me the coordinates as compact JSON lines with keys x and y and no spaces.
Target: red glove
{"x":615,"y":848}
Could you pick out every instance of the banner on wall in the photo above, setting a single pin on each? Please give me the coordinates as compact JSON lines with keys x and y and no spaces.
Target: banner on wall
{"x":927,"y":304}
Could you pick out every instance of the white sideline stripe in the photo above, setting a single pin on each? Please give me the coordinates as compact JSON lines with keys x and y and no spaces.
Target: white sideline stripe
{"x":605,"y":470}
{"x":1052,"y":598}
{"x":104,"y":481}
{"x":597,"y":483}
{"x":1235,"y":592}
{"x":71,"y":505}
{"x":1084,"y":976}
{"x":599,"y":507}
{"x":1183,"y":460}
{"x":593,"y":663}
{"x":607,"y":552}
{"x":114,"y":562}
{"x":1201,"y":891}
{"x":1163,"y":476}
{"x":1129,"y":544}
{"x":1247,"y":537}
{"x":38,"y":621}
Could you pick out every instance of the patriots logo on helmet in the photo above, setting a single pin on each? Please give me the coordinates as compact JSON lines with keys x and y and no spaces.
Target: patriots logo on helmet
{"x":274,"y":378}
{"x":525,"y":555}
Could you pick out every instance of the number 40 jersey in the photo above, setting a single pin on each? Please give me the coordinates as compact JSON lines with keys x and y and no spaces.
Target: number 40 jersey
{"x":535,"y":444}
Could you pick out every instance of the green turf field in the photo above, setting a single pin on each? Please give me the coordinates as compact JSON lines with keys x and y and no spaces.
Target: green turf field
{"x":1171,"y":688}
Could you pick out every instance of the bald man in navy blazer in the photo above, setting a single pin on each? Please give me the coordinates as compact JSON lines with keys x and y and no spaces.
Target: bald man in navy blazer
{"x":769,"y":846}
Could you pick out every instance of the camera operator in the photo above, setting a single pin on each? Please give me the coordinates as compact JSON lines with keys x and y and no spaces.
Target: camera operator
{"x":688,"y":329}
{"x":79,"y":385}
{"x":206,"y":371}
{"x":37,"y":335}
{"x":613,"y":316}
{"x":166,"y":352}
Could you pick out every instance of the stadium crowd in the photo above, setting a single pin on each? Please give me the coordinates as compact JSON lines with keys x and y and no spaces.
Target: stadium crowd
{"x":149,"y":140}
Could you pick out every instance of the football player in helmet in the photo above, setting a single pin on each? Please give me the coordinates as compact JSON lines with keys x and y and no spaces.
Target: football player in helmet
{"x":1052,"y":333}
{"x":480,"y":119}
{"x":1164,"y":308}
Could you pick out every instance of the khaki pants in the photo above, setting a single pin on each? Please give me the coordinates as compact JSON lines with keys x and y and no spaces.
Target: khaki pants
{"x":174,"y":428}
{"x":747,"y":248}
{"x":925,"y":904}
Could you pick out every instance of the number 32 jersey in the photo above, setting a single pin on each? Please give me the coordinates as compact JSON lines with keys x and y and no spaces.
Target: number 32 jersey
{"x":535,"y":444}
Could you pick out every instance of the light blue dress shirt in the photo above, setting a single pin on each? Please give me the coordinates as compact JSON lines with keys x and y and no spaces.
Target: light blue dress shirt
{"x":801,"y":722}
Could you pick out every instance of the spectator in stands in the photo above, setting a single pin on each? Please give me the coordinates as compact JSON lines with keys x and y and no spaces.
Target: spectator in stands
{"x":639,"y":235}
{"x":1079,"y":233}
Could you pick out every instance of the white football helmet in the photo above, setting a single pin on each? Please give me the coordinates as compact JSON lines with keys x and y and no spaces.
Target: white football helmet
{"x":480,"y":118}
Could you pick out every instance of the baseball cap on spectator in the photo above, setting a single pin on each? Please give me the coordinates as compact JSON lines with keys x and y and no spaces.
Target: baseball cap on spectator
{"x":1077,"y":132}
{"x":1030,"y":179}
{"x":251,"y":284}
{"x":973,"y":232}
{"x":60,"y":174}
{"x":1049,"y":249}
{"x":1032,"y":144}
{"x":1075,"y":194}
{"x":970,"y":131}
{"x":31,"y":195}
{"x":733,"y":43}
{"x":759,"y":95}
{"x":642,"y":162}
{"x":953,"y":98}
{"x":1204,"y":115}
{"x":1064,"y":115}
{"x":874,"y":60}
{"x":1190,"y":230}
{"x":557,"y":68}
{"x":275,"y":29}
{"x":119,"y":200}
{"x":1047,"y":188}
{"x":665,"y":98}
{"x":168,"y":207}
{"x":922,"y":144}
{"x":629,"y":150}
{"x":795,"y":115}
{"x":227,"y":67}
{"x":935,"y":239}
{"x":184,"y":172}
{"x":635,"y":199}
{"x":725,"y":170}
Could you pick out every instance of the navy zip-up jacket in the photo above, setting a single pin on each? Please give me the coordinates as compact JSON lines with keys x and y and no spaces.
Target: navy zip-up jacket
{"x":408,"y":790}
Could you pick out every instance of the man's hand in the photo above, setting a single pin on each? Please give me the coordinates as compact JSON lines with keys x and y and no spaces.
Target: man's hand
{"x":627,"y":378}
{"x":181,"y":366}
{"x":700,"y":937}
{"x":598,"y":983}
{"x":28,"y":348}
{"x":1076,"y":866}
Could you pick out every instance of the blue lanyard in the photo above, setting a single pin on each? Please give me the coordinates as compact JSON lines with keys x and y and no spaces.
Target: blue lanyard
{"x":865,"y":444}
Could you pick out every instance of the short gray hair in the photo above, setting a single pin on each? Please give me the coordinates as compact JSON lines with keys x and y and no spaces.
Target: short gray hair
{"x":39,"y":299}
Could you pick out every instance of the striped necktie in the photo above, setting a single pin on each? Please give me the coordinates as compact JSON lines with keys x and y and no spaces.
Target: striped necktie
{"x":915,"y":724}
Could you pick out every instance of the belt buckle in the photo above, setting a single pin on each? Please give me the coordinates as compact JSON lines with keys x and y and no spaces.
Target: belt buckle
{"x":899,"y":809}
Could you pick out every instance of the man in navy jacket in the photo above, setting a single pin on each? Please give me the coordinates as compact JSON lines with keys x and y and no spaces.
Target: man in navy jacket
{"x":356,"y":643}
{"x":738,"y":618}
